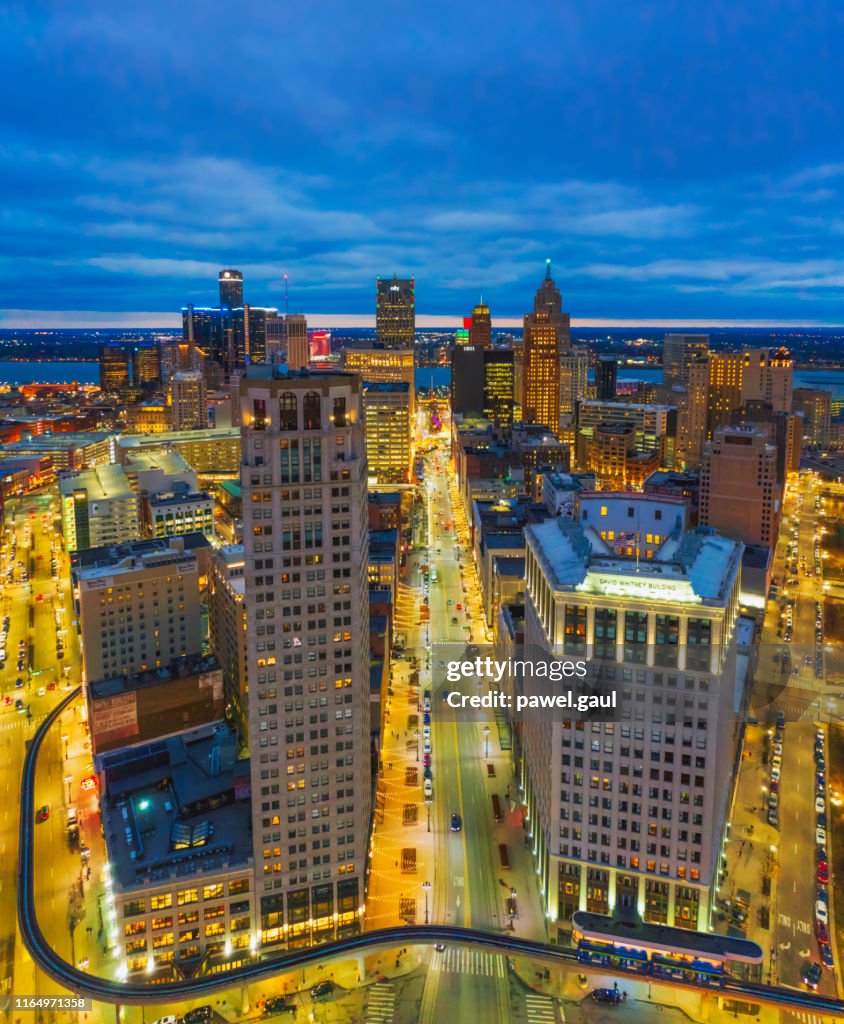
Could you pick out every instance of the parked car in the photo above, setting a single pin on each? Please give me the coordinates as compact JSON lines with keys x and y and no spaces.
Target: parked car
{"x":811,"y":975}
{"x":324,"y":988}
{"x":606,"y":995}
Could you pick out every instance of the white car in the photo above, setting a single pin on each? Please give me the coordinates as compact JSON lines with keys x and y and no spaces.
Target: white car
{"x":819,"y":737}
{"x":171,"y":1018}
{"x":775,"y":774}
{"x":427,"y":746}
{"x":429,"y":789}
{"x":821,"y":912}
{"x":820,"y":805}
{"x":820,"y":836}
{"x":41,"y":691}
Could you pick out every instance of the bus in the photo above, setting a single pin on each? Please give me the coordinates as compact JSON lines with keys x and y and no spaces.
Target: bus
{"x":504,"y":856}
{"x":496,"y":808}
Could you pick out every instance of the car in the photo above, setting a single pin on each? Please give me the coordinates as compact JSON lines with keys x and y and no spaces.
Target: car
{"x":606,"y":995}
{"x":820,"y":821}
{"x":426,"y":718}
{"x":811,"y":975}
{"x":820,"y":805}
{"x":819,"y":736}
{"x":820,"y":836}
{"x":18,"y":683}
{"x":427,"y":745}
{"x":821,"y":931}
{"x":821,"y":912}
{"x":778,"y":749}
{"x":454,"y":620}
{"x":51,"y":686}
{"x":198,"y":1015}
{"x":773,"y":817}
{"x":39,"y":597}
{"x":826,"y":955}
{"x":439,"y":947}
{"x":460,"y":607}
{"x":776,"y":761}
{"x":7,"y":699}
{"x":43,"y":813}
{"x":323,"y":988}
{"x":456,"y":823}
{"x":19,"y":705}
{"x":426,"y":760}
{"x":775,"y":785}
{"x":427,"y":774}
{"x":775,"y":774}
{"x":428,"y":789}
{"x":41,"y":691}
{"x":279,"y":1004}
{"x":823,"y":872}
{"x":773,"y":800}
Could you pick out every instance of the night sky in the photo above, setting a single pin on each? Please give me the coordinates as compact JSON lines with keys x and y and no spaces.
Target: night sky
{"x":673,"y":159}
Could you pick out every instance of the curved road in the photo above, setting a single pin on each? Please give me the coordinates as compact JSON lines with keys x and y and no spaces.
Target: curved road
{"x":117,"y":992}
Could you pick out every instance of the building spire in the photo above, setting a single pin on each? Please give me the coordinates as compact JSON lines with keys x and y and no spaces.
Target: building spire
{"x":548,"y":270}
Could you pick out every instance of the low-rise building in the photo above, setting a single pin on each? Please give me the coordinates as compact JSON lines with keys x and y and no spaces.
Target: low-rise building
{"x":176,"y":817}
{"x":98,"y":507}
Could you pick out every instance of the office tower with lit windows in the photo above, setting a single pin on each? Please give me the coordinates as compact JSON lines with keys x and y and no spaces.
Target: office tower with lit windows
{"x":114,"y":368}
{"x":678,"y":351}
{"x":482,"y":383}
{"x":480,"y":330}
{"x":815,"y":407}
{"x":387,"y":418}
{"x":574,"y":383}
{"x":629,"y":809}
{"x":190,"y":400}
{"x":654,"y":426}
{"x":768,"y":376}
{"x":203,"y":328}
{"x":231,"y":289}
{"x":545,"y":339}
{"x":606,"y":378}
{"x":740,"y":493}
{"x":724,"y":388}
{"x":227,"y":629}
{"x":395,"y":312}
{"x":146,"y":366}
{"x":297,"y":341}
{"x":304,"y":488}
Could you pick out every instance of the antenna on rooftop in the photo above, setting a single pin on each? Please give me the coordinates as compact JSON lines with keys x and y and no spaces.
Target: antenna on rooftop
{"x":286,"y":302}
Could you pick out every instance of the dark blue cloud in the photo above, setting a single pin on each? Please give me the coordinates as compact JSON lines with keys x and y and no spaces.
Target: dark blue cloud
{"x":673,"y":159}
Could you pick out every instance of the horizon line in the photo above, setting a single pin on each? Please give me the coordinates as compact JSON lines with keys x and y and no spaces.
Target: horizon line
{"x":26,"y":319}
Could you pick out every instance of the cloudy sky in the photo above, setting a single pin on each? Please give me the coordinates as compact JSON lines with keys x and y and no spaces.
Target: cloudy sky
{"x":675,"y":160}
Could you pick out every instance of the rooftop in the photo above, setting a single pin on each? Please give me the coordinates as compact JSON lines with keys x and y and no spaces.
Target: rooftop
{"x":180,"y":668}
{"x":173,"y":808}
{"x":108,"y":557}
{"x":102,"y":483}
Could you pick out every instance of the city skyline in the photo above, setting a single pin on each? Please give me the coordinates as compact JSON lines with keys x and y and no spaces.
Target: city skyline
{"x":696,"y":190}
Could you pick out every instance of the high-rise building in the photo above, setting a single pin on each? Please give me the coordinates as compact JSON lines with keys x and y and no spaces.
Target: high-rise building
{"x":304,"y":486}
{"x":388,"y":421}
{"x":606,"y":378}
{"x":815,"y":407}
{"x":739,"y":487}
{"x":768,"y":376}
{"x":98,"y":507}
{"x":545,"y":338}
{"x":203,"y":328}
{"x":724,"y":388}
{"x":482,"y":383}
{"x":689,"y":398}
{"x":655,"y":427}
{"x":574,"y":382}
{"x":231,"y":289}
{"x":297,"y":341}
{"x":480,"y":331}
{"x":654,"y":608}
{"x":139,"y":605}
{"x":146,"y":366}
{"x":678,"y":350}
{"x":190,"y":400}
{"x":114,"y":368}
{"x":395,"y":312}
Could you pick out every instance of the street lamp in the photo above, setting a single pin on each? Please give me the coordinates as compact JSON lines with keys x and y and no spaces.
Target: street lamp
{"x":426,"y":886}
{"x":486,"y":741}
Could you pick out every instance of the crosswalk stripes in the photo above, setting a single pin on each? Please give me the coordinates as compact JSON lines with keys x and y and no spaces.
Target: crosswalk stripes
{"x":381,"y":1004}
{"x":808,"y":1018}
{"x":458,"y":960}
{"x":540,"y":1009}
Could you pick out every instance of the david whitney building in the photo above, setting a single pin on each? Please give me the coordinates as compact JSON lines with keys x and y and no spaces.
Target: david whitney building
{"x":631,"y":812}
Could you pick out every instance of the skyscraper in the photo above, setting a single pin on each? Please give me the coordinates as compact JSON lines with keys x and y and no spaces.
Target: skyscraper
{"x":231,"y":289}
{"x":606,"y":376}
{"x":388,"y":430}
{"x":653,"y":607}
{"x":304,"y":485}
{"x":574,"y":380}
{"x":114,"y":368}
{"x":815,"y":406}
{"x":739,"y":486}
{"x":678,"y":350}
{"x":190,"y":400}
{"x":480,"y":333}
{"x":297,"y":341}
{"x":146,"y":365}
{"x":544,"y":331}
{"x":482,"y":383}
{"x":206,"y":328}
{"x":395,"y":312}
